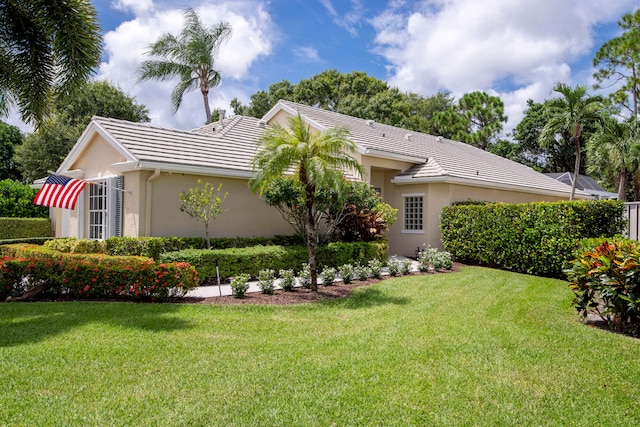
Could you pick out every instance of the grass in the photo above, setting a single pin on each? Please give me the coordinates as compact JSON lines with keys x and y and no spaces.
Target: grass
{"x":479,"y":347}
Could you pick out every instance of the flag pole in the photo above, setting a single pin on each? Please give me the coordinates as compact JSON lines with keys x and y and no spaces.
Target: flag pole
{"x":91,"y":183}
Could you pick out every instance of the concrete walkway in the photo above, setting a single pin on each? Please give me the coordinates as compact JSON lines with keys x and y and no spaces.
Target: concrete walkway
{"x":225,"y":289}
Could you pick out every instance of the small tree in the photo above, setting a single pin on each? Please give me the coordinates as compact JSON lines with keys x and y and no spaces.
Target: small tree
{"x":203,"y":203}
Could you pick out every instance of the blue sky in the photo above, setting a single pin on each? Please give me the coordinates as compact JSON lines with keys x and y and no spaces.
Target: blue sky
{"x":516,"y":49}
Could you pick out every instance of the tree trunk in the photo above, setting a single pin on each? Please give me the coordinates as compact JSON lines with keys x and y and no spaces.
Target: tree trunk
{"x":576,"y":173}
{"x":312,"y":241}
{"x":206,"y":233}
{"x":622,"y":186}
{"x":207,"y":109}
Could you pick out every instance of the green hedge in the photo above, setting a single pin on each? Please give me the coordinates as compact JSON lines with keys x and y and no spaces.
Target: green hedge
{"x":90,"y":275}
{"x":535,"y":238}
{"x":18,"y":228}
{"x":153,"y":247}
{"x":235,"y":261}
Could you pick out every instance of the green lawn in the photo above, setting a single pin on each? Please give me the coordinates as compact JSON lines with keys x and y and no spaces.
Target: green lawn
{"x":479,"y":347}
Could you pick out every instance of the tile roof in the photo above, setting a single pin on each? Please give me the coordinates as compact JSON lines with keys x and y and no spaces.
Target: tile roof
{"x":442,"y":157}
{"x":231,"y":146}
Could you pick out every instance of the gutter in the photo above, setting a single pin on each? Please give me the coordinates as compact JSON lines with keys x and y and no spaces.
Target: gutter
{"x":487,"y":184}
{"x":147,"y":210}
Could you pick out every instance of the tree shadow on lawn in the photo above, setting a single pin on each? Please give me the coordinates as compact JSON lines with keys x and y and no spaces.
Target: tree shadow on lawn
{"x":23,"y":323}
{"x":366,"y":297}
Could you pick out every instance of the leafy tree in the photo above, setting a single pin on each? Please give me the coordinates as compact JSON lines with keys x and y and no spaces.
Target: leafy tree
{"x":190,"y":56}
{"x":10,"y":137}
{"x":619,"y":62}
{"x":556,"y":156}
{"x":614,"y":150}
{"x":351,"y":211}
{"x":47,"y":147}
{"x":203,"y":204}
{"x":477,"y":119}
{"x":569,"y":114}
{"x":317,"y":159}
{"x":16,"y":201}
{"x":46,"y":47}
{"x":354,"y":94}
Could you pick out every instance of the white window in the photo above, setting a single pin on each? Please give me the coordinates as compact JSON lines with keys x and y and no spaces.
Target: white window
{"x":104,"y":209}
{"x":413,"y":213}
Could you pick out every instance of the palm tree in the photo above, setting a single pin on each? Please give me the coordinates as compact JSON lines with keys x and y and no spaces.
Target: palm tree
{"x":190,"y":56}
{"x":569,"y":114}
{"x":46,"y":48}
{"x":614,"y":150}
{"x":317,"y":158}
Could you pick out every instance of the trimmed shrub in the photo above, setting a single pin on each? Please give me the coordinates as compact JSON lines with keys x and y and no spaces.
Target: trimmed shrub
{"x":19,"y":228}
{"x":240,"y":285}
{"x":305,"y":276}
{"x":606,"y":282}
{"x":375,"y":268}
{"x":433,"y":259}
{"x":394,"y":266}
{"x":266,"y":279}
{"x":327,"y":276}
{"x":251,"y":260}
{"x":287,"y":280}
{"x":92,"y":276}
{"x":72,"y":245}
{"x":363,"y":272}
{"x":535,"y":238}
{"x":346,"y":273}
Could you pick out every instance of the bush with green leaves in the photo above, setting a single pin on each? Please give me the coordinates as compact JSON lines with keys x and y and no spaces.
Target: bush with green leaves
{"x":405,"y":266}
{"x":606,"y":282}
{"x":20,"y":228}
{"x":92,"y":275}
{"x":16,"y":201}
{"x":375,"y":268}
{"x":363,"y":272}
{"x":305,"y":276}
{"x":240,"y":285}
{"x":287,"y":279}
{"x":327,"y":276}
{"x":535,"y":238}
{"x":433,"y":259}
{"x":394,"y":266}
{"x":346,"y":273}
{"x":266,"y":281}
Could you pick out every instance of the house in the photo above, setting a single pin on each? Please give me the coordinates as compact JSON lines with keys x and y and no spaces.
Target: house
{"x":145,"y":167}
{"x":585,"y":183}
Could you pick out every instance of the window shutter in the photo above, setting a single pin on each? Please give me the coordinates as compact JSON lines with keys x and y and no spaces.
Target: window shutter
{"x":116,"y":205}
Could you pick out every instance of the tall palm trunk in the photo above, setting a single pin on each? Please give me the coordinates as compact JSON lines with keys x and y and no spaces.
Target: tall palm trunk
{"x":312,"y":240}
{"x":207,"y":109}
{"x":622,"y":185}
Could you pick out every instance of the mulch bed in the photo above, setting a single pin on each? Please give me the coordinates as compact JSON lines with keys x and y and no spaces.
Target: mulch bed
{"x":300,"y":295}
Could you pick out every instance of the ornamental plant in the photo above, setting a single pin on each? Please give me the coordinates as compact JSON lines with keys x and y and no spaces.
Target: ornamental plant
{"x":328,"y":275}
{"x":606,"y":282}
{"x":305,"y":276}
{"x":240,"y":285}
{"x":394,"y":266}
{"x":347,"y":273}
{"x":405,"y":266}
{"x":375,"y":268}
{"x":204,"y":204}
{"x":266,"y":279}
{"x":432,"y":259}
{"x":362,"y":272}
{"x":287,"y":280}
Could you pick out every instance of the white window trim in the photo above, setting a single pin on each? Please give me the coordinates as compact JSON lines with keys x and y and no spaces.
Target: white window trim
{"x":404,"y":196}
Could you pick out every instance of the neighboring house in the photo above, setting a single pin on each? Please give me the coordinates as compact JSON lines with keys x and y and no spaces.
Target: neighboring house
{"x":416,"y":173}
{"x":585,"y":183}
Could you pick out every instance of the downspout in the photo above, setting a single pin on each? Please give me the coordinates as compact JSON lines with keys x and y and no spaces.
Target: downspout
{"x":147,"y":210}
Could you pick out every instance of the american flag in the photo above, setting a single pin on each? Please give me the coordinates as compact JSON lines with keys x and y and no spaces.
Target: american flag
{"x":59,"y":192}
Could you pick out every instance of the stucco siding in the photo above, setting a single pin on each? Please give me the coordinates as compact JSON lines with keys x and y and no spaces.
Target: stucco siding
{"x":97,"y":159}
{"x":245,"y":214}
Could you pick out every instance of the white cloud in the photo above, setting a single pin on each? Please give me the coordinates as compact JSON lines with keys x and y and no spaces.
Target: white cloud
{"x":349,"y":20}
{"x":467,"y":45}
{"x":308,"y":54}
{"x":125,"y":49}
{"x":138,"y":7}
